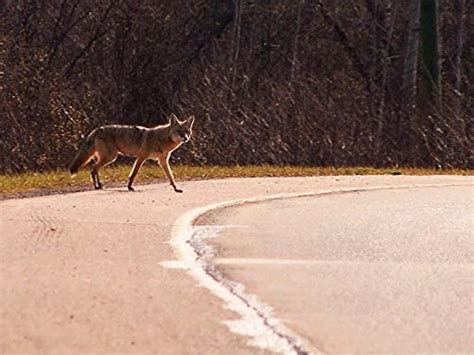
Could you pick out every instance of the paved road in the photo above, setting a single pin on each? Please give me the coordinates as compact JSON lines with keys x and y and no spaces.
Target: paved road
{"x":83,"y":273}
{"x":386,"y":271}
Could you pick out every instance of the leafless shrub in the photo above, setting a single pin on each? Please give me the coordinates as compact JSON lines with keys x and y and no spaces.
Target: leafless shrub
{"x":280,"y":82}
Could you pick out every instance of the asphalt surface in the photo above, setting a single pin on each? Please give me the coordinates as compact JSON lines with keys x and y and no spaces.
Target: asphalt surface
{"x":83,"y":273}
{"x":386,"y":271}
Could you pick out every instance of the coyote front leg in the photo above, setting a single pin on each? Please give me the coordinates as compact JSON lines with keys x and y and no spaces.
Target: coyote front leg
{"x":164,"y":162}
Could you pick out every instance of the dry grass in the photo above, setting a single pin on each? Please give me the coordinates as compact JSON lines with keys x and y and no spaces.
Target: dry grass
{"x":57,"y":180}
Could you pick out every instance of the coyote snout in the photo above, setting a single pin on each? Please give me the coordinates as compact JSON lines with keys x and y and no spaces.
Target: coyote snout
{"x":104,"y":144}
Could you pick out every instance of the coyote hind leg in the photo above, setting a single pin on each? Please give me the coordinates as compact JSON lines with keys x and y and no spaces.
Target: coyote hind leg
{"x":95,"y":180}
{"x":103,"y":159}
{"x":136,"y":166}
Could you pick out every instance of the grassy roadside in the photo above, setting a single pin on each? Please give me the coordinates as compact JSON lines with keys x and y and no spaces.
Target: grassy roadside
{"x":16,"y":185}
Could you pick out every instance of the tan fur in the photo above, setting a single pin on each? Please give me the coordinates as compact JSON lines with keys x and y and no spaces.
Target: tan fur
{"x":104,"y":144}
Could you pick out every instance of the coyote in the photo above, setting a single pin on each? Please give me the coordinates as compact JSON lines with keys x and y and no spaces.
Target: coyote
{"x":105,"y":143}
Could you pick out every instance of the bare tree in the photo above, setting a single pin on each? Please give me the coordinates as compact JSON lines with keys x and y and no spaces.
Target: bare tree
{"x":460,"y":19}
{"x":294,"y":59}
{"x":236,"y":38}
{"x":382,"y":30}
{"x":411,"y":55}
{"x":430,"y":38}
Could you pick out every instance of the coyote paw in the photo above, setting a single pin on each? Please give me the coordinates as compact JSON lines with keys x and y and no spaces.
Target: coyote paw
{"x":130,"y":188}
{"x":178,"y":190}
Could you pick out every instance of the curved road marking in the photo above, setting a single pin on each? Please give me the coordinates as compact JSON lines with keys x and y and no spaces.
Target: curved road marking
{"x":298,"y":262}
{"x":257,"y":320}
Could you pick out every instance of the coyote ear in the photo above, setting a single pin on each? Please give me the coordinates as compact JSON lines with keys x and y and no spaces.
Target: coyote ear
{"x":190,"y":121}
{"x":173,"y":119}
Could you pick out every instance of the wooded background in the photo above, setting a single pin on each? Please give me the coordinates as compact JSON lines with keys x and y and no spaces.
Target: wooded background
{"x":335,"y":82}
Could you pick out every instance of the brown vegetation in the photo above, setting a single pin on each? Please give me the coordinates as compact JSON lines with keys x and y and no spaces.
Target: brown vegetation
{"x":280,"y":82}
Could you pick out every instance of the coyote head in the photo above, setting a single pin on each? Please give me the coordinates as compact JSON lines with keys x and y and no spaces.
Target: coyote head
{"x":180,"y":131}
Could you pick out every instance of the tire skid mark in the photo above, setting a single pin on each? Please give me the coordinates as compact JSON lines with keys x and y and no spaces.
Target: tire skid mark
{"x":46,"y":234}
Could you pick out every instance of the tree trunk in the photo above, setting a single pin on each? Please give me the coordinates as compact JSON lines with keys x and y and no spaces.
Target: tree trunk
{"x":431,"y":48}
{"x":236,"y":34}
{"x":294,"y":60}
{"x":411,"y":56}
{"x":382,"y":28}
{"x":459,"y":8}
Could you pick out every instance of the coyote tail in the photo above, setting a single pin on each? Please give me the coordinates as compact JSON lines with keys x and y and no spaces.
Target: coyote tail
{"x":84,"y":154}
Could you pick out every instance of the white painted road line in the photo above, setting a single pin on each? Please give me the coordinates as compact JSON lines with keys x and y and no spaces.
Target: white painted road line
{"x":309,"y":262}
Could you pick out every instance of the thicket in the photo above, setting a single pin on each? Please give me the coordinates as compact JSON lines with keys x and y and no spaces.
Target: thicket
{"x":335,"y":82}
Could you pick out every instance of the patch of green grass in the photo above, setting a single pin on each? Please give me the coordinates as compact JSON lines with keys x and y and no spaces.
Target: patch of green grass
{"x":58,"y":180}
